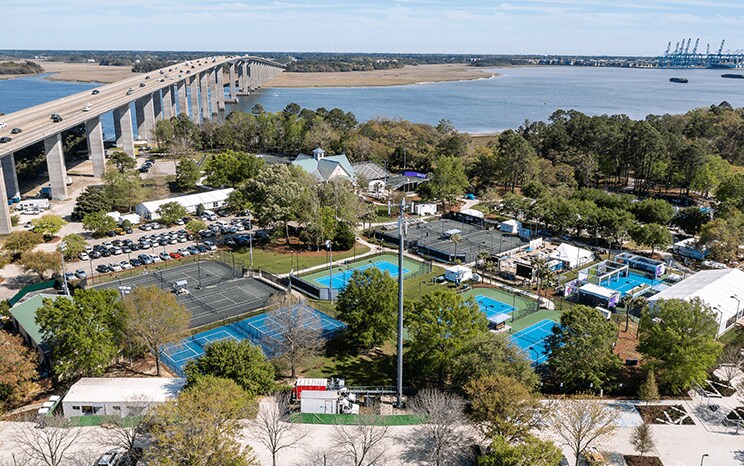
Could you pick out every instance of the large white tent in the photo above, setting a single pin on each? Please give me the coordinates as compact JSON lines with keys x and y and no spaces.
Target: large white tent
{"x":722,"y":290}
{"x":572,"y":256}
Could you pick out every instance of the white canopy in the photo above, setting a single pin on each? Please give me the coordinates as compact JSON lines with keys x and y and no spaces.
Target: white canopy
{"x":572,"y":256}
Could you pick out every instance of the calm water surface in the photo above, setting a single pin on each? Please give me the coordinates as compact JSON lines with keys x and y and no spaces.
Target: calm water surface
{"x":478,"y":106}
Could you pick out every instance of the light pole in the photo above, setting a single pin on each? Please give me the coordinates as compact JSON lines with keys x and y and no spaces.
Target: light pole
{"x":62,"y":249}
{"x":738,"y":305}
{"x":250,"y":245}
{"x":401,"y":237}
{"x":702,"y":458}
{"x":329,"y":245}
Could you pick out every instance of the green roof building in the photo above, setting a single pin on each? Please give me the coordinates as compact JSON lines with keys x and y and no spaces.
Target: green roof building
{"x":24,"y":320}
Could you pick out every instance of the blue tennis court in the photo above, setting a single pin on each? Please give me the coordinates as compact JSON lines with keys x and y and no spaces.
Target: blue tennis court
{"x":532,"y":340}
{"x":625,"y":284}
{"x":263,"y":330}
{"x":339,"y":279}
{"x":491,"y":307}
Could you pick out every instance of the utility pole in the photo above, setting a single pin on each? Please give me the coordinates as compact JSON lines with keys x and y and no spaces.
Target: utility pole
{"x":401,"y":235}
{"x":62,"y":249}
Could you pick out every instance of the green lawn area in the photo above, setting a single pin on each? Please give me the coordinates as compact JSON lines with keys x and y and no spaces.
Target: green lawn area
{"x":345,"y":419}
{"x":282,"y":262}
{"x":375,"y":368}
{"x":382,"y":214}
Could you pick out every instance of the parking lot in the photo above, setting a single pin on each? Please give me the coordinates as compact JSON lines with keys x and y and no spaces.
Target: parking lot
{"x":153,"y":243}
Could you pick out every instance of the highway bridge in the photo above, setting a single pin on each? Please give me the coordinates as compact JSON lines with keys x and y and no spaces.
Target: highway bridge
{"x":195,"y":88}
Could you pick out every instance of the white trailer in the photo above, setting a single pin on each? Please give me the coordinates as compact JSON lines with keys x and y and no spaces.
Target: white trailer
{"x":319,"y":402}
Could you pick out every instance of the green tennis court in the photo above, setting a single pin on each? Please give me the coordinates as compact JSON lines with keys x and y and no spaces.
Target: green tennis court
{"x":341,"y":274}
{"x":506,"y":298}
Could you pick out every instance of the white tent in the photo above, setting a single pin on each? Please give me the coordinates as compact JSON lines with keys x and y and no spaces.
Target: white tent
{"x":572,"y":256}
{"x":722,"y":290}
{"x":510,"y":226}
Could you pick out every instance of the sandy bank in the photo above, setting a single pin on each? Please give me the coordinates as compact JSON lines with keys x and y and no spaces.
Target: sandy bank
{"x":406,"y":75}
{"x":81,"y":72}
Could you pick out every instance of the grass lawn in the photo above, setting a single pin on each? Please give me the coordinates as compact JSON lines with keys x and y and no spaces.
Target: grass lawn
{"x":281,"y":260}
{"x":382,"y":214}
{"x":345,"y":419}
{"x":377,"y":367}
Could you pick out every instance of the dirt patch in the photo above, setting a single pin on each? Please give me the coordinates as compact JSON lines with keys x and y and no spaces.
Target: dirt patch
{"x":393,"y":77}
{"x":634,"y":460}
{"x":657,"y":414}
{"x":627,"y":342}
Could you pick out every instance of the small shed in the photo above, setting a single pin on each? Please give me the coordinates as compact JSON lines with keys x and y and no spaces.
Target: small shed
{"x":458,"y":273}
{"x":119,"y":396}
{"x":450,"y":233}
{"x":425,"y":209}
{"x":572,"y":256}
{"x":498,"y":322}
{"x":512,"y":227}
{"x":319,"y":402}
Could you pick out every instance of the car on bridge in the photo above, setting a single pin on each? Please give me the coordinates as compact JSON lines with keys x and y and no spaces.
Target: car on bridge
{"x":3,"y":125}
{"x":88,"y":107}
{"x":142,"y":84}
{"x":130,"y":91}
{"x":5,"y":139}
{"x":56,"y":117}
{"x":95,"y":92}
{"x":16,"y":131}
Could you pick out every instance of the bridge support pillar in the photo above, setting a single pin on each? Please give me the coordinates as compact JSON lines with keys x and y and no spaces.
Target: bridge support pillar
{"x":233,"y":90}
{"x":244,"y":79}
{"x":172,"y":102}
{"x":183,"y":105}
{"x":220,"y":89}
{"x":157,"y":106}
{"x":123,"y":129}
{"x":139,"y":110}
{"x":5,"y":224}
{"x":12,"y":188}
{"x":94,"y":135}
{"x":204,"y":94}
{"x":253,"y":77}
{"x":167,"y":104}
{"x":194,"y":91}
{"x":149,"y":116}
{"x":213,"y":95}
{"x":55,"y":159}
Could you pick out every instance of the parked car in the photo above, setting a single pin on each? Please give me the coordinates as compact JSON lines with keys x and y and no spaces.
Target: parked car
{"x":164,"y":256}
{"x":155,"y":258}
{"x":83,"y":256}
{"x":175,"y":255}
{"x":115,"y":267}
{"x":125,"y":265}
{"x":103,"y":268}
{"x":80,"y":273}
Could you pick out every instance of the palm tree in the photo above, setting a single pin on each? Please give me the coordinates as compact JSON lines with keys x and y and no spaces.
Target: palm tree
{"x":543,"y":273}
{"x":456,"y":238}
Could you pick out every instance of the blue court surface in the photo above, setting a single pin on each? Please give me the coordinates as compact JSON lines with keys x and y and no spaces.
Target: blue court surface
{"x":340,"y":279}
{"x":625,"y":284}
{"x":532,"y":340}
{"x":491,"y":307}
{"x":263,"y":330}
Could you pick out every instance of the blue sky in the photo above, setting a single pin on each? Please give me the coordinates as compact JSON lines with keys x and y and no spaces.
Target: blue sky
{"x":618,"y":27}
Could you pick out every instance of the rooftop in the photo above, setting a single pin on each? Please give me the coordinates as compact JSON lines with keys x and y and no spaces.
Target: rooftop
{"x":123,"y":389}
{"x":25,"y":314}
{"x":206,"y":198}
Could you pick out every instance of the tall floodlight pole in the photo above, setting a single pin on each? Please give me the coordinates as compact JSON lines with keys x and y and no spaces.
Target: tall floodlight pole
{"x":329,"y":245}
{"x":62,"y":249}
{"x":401,"y":234}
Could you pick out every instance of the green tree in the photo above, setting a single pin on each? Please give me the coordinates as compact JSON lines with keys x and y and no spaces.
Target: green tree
{"x":690,"y":220}
{"x":368,"y":305}
{"x":723,"y":236}
{"x":229,"y":168}
{"x":581,"y":350}
{"x":648,"y":391}
{"x":171,"y":212}
{"x":531,"y":452}
{"x":17,"y":371}
{"x":456,"y":239}
{"x":514,"y":160}
{"x":678,"y":339}
{"x":653,"y":211}
{"x":125,"y":190}
{"x":187,"y":174}
{"x":344,"y":238}
{"x":448,"y":180}
{"x":155,"y":318}
{"x":121,"y":161}
{"x":99,"y":223}
{"x":18,"y":242}
{"x":276,"y":193}
{"x":730,"y":192}
{"x":74,"y":245}
{"x":48,"y":224}
{"x":490,"y":354}
{"x":41,"y":262}
{"x":92,"y":320}
{"x":503,"y":407}
{"x":201,"y":426}
{"x":652,"y":235}
{"x":439,"y":325}
{"x":195,"y":226}
{"x":93,"y":199}
{"x":241,"y":361}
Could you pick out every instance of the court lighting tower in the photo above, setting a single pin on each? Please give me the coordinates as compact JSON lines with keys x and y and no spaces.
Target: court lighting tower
{"x":401,"y":234}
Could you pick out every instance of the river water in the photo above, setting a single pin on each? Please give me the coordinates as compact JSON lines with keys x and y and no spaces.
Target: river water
{"x":478,"y":106}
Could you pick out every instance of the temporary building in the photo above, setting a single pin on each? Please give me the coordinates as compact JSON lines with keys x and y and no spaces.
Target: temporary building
{"x":722,"y":290}
{"x":317,"y":402}
{"x":510,"y":226}
{"x":458,"y":273}
{"x":208,"y":199}
{"x":425,"y":209}
{"x":119,"y":396}
{"x":572,"y":256}
{"x":596,"y":295}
